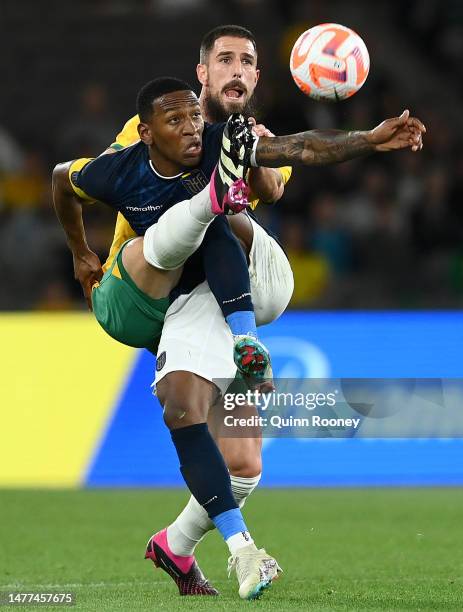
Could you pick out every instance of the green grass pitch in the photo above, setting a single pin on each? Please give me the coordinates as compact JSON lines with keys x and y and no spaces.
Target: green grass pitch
{"x":341,"y":549}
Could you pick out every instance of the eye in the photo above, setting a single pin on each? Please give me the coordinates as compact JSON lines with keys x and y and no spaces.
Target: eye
{"x":197,"y":114}
{"x":173,"y":120}
{"x":225,"y":60}
{"x":247,"y":61}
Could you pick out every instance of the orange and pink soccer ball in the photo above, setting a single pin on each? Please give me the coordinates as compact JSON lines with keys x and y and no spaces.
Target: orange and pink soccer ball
{"x":329,"y":62}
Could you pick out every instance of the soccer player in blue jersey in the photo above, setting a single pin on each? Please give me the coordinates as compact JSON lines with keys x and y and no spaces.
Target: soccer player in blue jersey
{"x":143,"y":187}
{"x":201,"y":464}
{"x":228,"y":73}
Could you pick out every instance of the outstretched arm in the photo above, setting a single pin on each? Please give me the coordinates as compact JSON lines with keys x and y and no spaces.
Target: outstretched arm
{"x":319,"y":147}
{"x":68,"y":208}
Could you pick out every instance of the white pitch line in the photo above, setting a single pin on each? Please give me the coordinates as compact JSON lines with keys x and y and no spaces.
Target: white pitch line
{"x":95,"y":585}
{"x":99,"y":585}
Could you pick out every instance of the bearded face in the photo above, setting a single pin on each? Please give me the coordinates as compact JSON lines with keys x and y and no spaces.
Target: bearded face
{"x":229,"y":78}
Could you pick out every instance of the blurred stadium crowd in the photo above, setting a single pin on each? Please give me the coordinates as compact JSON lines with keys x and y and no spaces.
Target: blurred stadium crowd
{"x":382,"y":232}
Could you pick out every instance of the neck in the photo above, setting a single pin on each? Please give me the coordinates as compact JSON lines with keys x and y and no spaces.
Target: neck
{"x":163,"y":166}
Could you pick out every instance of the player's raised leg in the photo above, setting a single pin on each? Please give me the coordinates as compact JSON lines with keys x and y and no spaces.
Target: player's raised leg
{"x":228,"y":182}
{"x":182,"y":228}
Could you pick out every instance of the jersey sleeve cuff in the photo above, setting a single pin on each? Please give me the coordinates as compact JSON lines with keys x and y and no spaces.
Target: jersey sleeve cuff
{"x":74,"y":169}
{"x":117,"y":146}
{"x":253,"y":162}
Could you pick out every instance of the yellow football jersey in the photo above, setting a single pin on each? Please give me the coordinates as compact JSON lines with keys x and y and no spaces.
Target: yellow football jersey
{"x":128,"y":135}
{"x":123,"y":231}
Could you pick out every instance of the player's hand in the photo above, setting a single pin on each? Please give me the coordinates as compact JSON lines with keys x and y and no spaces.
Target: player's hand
{"x":398,"y":133}
{"x":88,"y":271}
{"x":259,"y":129}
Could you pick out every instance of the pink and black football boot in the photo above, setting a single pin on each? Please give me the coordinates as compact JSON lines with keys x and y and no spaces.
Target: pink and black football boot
{"x":228,"y":188}
{"x":184,"y":571}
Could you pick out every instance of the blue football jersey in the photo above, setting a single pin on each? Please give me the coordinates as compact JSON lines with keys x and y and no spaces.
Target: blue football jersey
{"x":127,"y":180}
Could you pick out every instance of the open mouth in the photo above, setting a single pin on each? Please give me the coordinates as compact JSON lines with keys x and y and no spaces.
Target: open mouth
{"x":234,"y":93}
{"x":194,"y":148}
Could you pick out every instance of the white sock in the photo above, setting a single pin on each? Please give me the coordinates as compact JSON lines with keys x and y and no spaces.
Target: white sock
{"x":239,"y":540}
{"x":188,"y":529}
{"x":201,"y":206}
{"x":243,"y":487}
{"x":193,"y":523}
{"x":178,"y":233}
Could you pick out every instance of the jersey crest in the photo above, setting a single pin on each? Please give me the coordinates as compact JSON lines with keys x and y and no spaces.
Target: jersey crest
{"x":195,"y":181}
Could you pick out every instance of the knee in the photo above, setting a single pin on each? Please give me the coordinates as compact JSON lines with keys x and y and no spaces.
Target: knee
{"x":178,"y":415}
{"x":244,"y":458}
{"x":183,"y":402}
{"x":181,"y":412}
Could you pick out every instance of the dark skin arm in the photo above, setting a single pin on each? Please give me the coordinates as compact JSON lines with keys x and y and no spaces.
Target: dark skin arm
{"x":68,"y":208}
{"x":319,"y":147}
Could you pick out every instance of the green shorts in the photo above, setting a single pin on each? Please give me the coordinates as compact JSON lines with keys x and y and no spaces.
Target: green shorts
{"x":125,"y":312}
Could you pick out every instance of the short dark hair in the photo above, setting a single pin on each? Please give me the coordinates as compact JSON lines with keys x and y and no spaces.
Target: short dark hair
{"x":155,"y":89}
{"x":225,"y":30}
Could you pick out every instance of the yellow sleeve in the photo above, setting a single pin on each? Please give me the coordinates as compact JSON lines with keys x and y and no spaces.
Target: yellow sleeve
{"x":285,"y":172}
{"x":75,"y":167}
{"x":122,"y":232}
{"x":129,"y":134}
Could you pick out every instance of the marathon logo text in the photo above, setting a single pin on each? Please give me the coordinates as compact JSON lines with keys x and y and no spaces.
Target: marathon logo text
{"x":148,"y":208}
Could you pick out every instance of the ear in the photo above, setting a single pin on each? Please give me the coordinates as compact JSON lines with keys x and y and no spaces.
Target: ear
{"x":144,"y":131}
{"x":201,"y":73}
{"x":257,"y":74}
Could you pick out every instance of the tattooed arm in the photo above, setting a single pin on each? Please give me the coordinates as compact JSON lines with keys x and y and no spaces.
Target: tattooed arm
{"x":319,"y":147}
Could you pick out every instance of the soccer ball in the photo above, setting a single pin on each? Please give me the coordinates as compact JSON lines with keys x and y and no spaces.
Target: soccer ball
{"x":329,"y":62}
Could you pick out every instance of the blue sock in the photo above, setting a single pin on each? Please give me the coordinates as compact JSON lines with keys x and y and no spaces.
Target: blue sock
{"x":227,"y":274}
{"x":242,"y":322}
{"x":229,"y":523}
{"x":204,"y":471}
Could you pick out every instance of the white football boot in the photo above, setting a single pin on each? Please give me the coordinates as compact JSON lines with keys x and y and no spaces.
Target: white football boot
{"x":255,"y":570}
